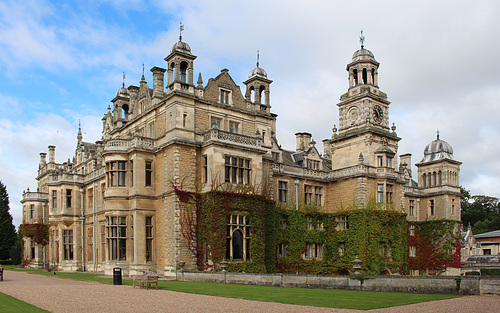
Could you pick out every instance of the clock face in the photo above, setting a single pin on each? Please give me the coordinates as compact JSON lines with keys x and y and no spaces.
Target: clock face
{"x":378,"y":114}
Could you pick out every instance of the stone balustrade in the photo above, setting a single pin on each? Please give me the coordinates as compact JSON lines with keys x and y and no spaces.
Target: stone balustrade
{"x":125,"y":144}
{"x":220,"y":135}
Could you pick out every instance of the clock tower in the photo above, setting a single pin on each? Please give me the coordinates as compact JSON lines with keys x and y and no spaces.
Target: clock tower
{"x":363,"y":118}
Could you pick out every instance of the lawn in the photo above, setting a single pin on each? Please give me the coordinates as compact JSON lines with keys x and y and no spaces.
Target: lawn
{"x":10,"y":304}
{"x":332,"y":298}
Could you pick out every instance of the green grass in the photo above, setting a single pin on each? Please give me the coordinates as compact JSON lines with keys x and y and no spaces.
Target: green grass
{"x":10,"y":304}
{"x":332,"y":298}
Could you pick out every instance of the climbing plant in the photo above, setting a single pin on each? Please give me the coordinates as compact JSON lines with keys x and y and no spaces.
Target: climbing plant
{"x":376,"y":235}
{"x":203,"y":224}
{"x":436,"y":245}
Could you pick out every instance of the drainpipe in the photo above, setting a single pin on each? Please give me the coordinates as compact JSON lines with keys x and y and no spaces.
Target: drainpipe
{"x":82,"y":218}
{"x":296,"y":194}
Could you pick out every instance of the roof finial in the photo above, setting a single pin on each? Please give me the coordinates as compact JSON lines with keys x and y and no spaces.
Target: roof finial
{"x":437,"y":134}
{"x":123,"y":84}
{"x":362,"y":40}
{"x":257,"y":58}
{"x":79,"y":124}
{"x":181,"y":28}
{"x":143,"y":79}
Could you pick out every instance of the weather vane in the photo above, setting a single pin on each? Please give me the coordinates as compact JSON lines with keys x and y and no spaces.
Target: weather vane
{"x":362,"y":39}
{"x":181,"y":28}
{"x":257,"y":58}
{"x":124,"y":79}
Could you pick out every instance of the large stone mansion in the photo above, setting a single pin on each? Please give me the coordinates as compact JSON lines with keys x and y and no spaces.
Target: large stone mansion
{"x":114,"y":205}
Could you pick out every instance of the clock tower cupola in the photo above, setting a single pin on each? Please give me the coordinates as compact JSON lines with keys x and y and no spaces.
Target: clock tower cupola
{"x":363,"y":105}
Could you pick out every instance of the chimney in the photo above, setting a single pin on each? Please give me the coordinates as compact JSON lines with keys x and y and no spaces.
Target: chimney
{"x":405,"y":159}
{"x":52,"y":154}
{"x":158,"y":83}
{"x":302,"y":141}
{"x":43,"y":159}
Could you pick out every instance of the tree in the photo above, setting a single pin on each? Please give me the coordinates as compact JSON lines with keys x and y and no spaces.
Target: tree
{"x":7,"y":230}
{"x":481,"y":212}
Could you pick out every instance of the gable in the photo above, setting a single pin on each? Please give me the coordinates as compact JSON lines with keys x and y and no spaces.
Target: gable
{"x":226,"y":83}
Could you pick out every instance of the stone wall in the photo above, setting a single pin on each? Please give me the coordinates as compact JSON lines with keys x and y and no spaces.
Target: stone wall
{"x":410,"y":284}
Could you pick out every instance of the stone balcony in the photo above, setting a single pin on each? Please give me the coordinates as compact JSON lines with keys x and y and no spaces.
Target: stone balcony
{"x":227,"y":137}
{"x":349,"y":171}
{"x":37,"y":196}
{"x":125,"y":144}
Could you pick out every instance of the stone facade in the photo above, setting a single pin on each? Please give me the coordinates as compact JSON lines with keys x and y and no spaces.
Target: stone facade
{"x":113,"y":204}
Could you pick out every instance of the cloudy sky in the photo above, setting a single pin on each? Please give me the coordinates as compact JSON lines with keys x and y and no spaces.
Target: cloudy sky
{"x":62,"y":62}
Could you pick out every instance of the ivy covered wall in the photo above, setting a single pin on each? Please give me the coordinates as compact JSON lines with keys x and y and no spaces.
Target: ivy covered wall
{"x":373,"y":235}
{"x":436,"y":246}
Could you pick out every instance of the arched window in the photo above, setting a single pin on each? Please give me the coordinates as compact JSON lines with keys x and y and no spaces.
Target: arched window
{"x":365,"y":76}
{"x":252,"y":94}
{"x":183,"y":70}
{"x":373,"y":76}
{"x":172,"y":68}
{"x":425,"y":181}
{"x":237,"y":244}
{"x":355,"y":76}
{"x":125,"y":111}
{"x":434,"y":179}
{"x":238,"y":237}
{"x":429,"y":180}
{"x":440,"y":177}
{"x":262,"y":91}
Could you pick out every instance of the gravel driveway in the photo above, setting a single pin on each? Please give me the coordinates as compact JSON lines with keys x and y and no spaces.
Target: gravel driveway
{"x":57,"y":294}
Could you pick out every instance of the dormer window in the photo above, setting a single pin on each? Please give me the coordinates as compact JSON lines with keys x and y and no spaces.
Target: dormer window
{"x":225,"y":96}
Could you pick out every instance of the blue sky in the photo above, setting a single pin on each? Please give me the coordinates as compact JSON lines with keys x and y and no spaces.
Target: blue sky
{"x":62,"y":62}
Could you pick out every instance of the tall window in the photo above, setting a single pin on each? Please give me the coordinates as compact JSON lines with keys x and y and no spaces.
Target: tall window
{"x":283,"y":221}
{"x":215,"y":122}
{"x":380,"y":193}
{"x":152,"y":130}
{"x":282,"y":250}
{"x":90,"y":244}
{"x":149,"y":238}
{"x":237,"y":170}
{"x":412,"y":251}
{"x":309,"y":223}
{"x":431,"y":207}
{"x":131,"y":162}
{"x":380,"y":161}
{"x":54,"y":199}
{"x":237,"y":237}
{"x":452,"y":206}
{"x":308,"y":193}
{"x":184,"y":119}
{"x":389,"y":161}
{"x":149,"y":173}
{"x":282,"y":191}
{"x":117,"y":237}
{"x":224,"y":96}
{"x":32,"y":247}
{"x":412,"y":208}
{"x":341,"y":248}
{"x":32,"y":211}
{"x":342,"y":222}
{"x":234,"y":127}
{"x":90,"y":198}
{"x":68,"y":244}
{"x":68,"y":198}
{"x":318,"y":195}
{"x":116,"y":173}
{"x":411,"y":230}
{"x":425,"y":180}
{"x":205,"y":169}
{"x":388,"y":193}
